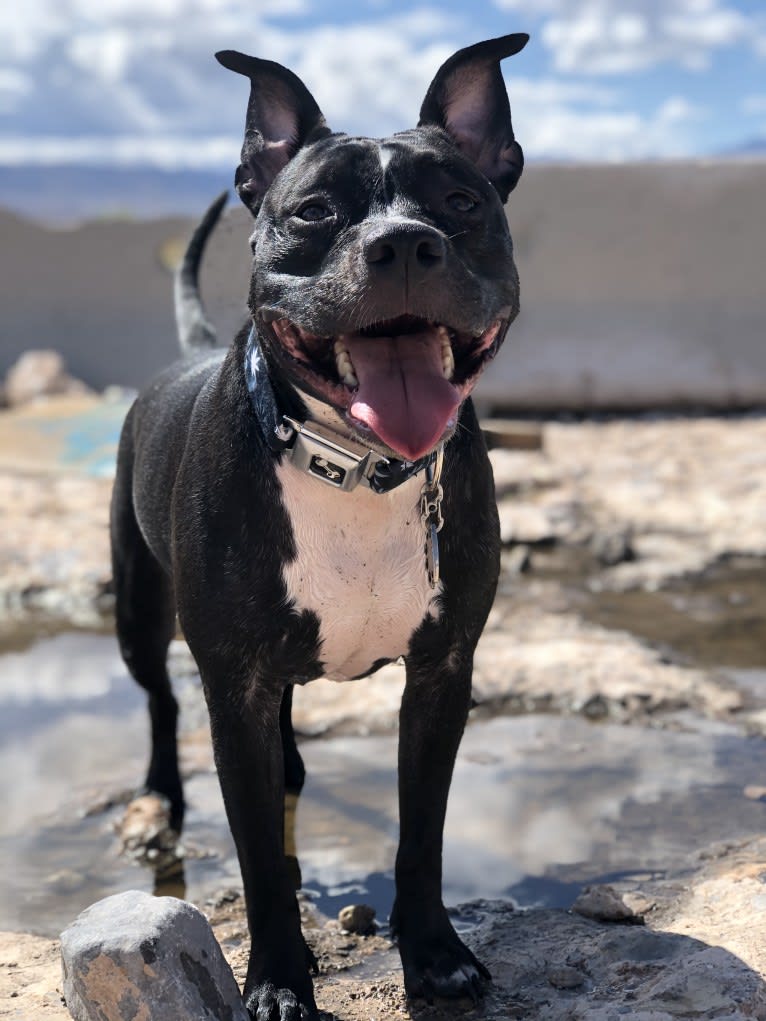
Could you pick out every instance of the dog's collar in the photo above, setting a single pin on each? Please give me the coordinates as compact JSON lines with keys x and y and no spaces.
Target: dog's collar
{"x":316,"y":449}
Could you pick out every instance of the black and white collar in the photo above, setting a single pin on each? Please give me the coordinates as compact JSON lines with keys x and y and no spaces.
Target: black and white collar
{"x":313,"y":447}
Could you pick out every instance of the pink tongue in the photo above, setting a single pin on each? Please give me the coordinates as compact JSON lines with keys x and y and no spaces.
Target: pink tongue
{"x":403,"y":395}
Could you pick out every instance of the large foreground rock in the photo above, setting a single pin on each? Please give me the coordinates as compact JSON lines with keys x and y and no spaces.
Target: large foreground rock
{"x":155,"y":958}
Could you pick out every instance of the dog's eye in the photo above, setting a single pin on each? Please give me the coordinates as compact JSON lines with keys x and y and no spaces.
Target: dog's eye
{"x":313,"y":211}
{"x":461,"y":201}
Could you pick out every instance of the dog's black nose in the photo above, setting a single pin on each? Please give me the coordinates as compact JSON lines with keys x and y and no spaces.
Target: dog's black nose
{"x":415,"y":245}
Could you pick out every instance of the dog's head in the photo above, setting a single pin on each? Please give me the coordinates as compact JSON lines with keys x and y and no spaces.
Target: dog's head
{"x":383,"y":277}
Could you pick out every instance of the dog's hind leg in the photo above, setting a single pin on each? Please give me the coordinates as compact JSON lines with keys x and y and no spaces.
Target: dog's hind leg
{"x":145,"y":617}
{"x":295,"y":771}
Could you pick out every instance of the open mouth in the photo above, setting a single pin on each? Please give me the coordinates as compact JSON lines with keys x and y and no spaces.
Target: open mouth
{"x":403,"y":379}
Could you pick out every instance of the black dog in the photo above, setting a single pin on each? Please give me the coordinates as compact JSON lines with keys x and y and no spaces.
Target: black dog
{"x":286,"y":497}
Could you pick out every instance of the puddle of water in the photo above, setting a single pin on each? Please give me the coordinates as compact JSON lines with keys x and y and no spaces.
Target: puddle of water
{"x":540,"y":805}
{"x":752,"y":681}
{"x":66,"y":715}
{"x":74,"y":729}
{"x":720,"y":620}
{"x":716,"y":620}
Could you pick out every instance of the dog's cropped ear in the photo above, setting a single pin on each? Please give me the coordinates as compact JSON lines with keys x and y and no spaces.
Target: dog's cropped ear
{"x":282,"y":115}
{"x":468,"y":99}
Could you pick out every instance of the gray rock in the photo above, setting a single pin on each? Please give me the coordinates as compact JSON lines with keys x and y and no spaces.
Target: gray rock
{"x":565,"y":977}
{"x":517,"y":560}
{"x":605,"y":904}
{"x":39,"y":374}
{"x":535,"y":958}
{"x":612,"y":546}
{"x":358,"y":918}
{"x":524,"y":522}
{"x":134,"y":956}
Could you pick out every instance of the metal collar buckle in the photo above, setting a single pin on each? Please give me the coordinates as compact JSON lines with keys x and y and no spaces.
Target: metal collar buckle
{"x":319,"y":452}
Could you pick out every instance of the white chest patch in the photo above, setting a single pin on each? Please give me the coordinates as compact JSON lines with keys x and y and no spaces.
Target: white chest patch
{"x":360,"y":567}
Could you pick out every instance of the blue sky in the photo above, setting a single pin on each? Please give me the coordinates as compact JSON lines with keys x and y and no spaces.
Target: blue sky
{"x":134,"y":82}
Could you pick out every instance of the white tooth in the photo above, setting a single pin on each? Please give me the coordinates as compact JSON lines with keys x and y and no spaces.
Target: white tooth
{"x":344,"y":364}
{"x":448,"y":359}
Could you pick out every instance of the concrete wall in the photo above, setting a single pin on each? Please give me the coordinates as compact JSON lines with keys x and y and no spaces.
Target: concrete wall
{"x":641,"y":286}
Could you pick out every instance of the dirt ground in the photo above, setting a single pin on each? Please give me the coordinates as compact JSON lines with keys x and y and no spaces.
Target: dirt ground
{"x":627,"y":507}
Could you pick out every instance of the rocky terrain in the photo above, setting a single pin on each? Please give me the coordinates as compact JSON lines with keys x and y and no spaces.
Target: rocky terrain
{"x":625,"y":514}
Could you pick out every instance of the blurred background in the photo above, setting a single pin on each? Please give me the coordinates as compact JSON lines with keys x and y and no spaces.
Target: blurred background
{"x":640,"y":222}
{"x":622,"y":675}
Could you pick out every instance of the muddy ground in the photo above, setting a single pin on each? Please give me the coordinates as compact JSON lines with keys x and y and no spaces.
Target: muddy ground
{"x":639,"y":515}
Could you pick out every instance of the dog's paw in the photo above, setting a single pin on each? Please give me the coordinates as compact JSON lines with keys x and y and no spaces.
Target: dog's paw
{"x":267,"y":1003}
{"x":440,"y":964}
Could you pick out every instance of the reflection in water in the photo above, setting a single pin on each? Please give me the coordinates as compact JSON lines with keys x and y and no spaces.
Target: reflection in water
{"x":540,"y":805}
{"x":173,"y":885}
{"x":291,"y":851}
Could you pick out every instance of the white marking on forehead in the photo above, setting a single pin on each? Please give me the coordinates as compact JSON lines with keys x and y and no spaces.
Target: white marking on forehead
{"x":385,"y":152}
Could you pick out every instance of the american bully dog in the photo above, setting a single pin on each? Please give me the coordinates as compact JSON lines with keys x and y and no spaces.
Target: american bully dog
{"x":317,"y":500}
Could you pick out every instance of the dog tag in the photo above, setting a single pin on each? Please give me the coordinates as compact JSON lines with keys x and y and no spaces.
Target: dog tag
{"x":431,"y":515}
{"x":432,"y":554}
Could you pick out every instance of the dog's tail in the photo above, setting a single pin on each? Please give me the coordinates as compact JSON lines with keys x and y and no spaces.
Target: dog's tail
{"x":195,"y":332}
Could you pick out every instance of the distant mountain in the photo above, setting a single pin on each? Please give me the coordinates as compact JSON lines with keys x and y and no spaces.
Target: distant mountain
{"x":66,"y":194}
{"x":63,"y":194}
{"x":752,"y":147}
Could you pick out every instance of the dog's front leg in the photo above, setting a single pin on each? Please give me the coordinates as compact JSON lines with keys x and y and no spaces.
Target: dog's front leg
{"x":434,"y":709}
{"x":249,"y":758}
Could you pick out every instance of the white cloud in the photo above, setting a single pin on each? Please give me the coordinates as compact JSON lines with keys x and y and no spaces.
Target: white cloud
{"x":105,"y":53}
{"x":548,"y":92}
{"x":556,"y":120}
{"x":13,"y":85}
{"x":753,"y":105}
{"x":529,"y":6}
{"x":677,"y":109}
{"x":124,"y":69}
{"x":131,"y":81}
{"x":123,"y":150}
{"x":619,"y":36}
